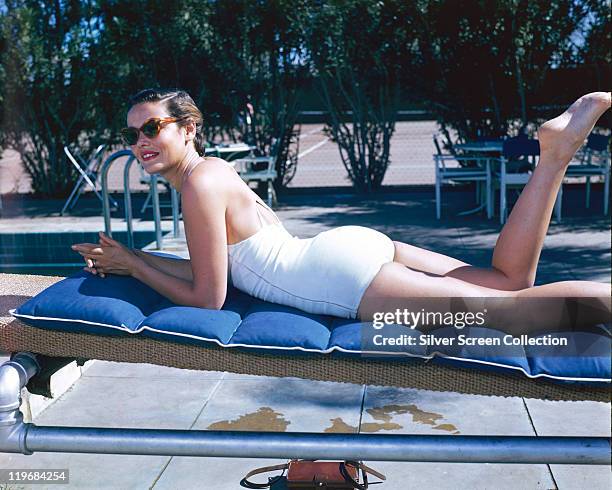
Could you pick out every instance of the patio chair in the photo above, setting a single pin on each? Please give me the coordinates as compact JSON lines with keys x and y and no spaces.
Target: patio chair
{"x":88,"y":177}
{"x":519,"y":157}
{"x":460,"y":172}
{"x":260,"y":169}
{"x":594,"y":162}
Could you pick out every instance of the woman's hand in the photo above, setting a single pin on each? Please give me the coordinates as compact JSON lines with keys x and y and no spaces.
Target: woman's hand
{"x":107,"y":257}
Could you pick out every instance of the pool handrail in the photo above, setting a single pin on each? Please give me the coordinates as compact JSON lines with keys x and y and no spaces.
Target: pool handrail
{"x":105,"y":195}
{"x":127,"y":198}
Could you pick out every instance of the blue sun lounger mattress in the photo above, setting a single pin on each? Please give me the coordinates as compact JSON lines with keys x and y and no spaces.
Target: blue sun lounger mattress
{"x":120,"y":306}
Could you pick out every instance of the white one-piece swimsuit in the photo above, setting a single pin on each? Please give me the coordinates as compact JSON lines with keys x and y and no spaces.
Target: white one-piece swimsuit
{"x":327,"y":274}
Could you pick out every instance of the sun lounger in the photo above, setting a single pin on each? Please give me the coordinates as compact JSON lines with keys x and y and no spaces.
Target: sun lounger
{"x":254,"y":337}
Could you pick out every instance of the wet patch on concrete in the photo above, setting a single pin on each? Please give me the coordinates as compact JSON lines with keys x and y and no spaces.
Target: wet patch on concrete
{"x":340,"y":426}
{"x":264,"y":419}
{"x":430,"y":418}
{"x":447,"y":427}
{"x":385,"y":415}
{"x":377,"y":427}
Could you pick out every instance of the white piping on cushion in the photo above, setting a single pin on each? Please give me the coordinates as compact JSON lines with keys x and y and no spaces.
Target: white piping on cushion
{"x":319,"y":351}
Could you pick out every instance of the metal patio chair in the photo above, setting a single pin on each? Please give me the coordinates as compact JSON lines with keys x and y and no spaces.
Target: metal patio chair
{"x":259,"y":169}
{"x":594,"y":161}
{"x":88,"y":176}
{"x":519,"y":156}
{"x":459,"y":171}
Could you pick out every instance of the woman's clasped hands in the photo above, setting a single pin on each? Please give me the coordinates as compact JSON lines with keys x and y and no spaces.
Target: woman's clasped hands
{"x":107,"y":257}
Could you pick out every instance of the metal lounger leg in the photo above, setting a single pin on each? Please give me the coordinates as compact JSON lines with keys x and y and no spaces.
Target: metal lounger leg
{"x":156,"y":211}
{"x":14,"y":375}
{"x":558,"y":203}
{"x":502,"y":203}
{"x":489,"y":191}
{"x":438,"y":191}
{"x":606,"y":202}
{"x":175,"y":212}
{"x":502,"y":194}
{"x":587,"y":203}
{"x":271,"y":196}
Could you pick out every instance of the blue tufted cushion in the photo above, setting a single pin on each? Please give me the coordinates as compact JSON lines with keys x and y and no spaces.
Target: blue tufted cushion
{"x":120,"y":305}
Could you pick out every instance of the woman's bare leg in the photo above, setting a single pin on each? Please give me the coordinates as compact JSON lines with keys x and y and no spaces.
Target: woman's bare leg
{"x":519,"y":245}
{"x":557,"y":306}
{"x":520,"y":242}
{"x":434,"y":263}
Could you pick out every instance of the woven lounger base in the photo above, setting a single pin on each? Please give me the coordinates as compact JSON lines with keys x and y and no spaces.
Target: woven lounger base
{"x":17,"y":337}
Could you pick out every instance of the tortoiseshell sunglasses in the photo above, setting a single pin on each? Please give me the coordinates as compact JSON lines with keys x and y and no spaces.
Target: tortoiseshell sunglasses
{"x":150,"y":129}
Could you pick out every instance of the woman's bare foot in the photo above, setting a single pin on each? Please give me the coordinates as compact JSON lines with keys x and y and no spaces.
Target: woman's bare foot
{"x":564,"y":134}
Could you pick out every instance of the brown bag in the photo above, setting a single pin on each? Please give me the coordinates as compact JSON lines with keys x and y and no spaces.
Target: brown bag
{"x":308,"y":474}
{"x":320,"y":474}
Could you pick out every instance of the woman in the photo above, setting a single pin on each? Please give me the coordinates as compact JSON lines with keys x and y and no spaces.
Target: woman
{"x":351,"y":272}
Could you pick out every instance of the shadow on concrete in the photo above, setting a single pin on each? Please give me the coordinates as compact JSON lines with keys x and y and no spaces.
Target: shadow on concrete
{"x":576,"y":248}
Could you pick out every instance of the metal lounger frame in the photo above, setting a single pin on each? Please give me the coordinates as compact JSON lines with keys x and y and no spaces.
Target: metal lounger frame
{"x":26,"y":438}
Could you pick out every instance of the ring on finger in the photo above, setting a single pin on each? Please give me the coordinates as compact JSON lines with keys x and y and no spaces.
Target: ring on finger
{"x":93,"y":261}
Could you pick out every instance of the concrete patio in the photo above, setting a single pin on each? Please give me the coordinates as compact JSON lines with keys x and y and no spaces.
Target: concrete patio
{"x":140,"y":396}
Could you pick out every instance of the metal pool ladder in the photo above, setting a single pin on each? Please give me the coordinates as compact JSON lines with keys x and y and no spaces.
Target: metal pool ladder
{"x":127,"y":198}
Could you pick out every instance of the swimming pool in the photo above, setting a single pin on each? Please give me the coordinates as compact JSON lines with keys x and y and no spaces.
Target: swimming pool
{"x":49,"y":253}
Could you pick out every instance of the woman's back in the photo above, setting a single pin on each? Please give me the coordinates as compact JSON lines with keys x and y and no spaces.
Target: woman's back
{"x":246,"y":214}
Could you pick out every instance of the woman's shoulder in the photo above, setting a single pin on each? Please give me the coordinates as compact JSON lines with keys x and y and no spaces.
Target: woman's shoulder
{"x":216,"y":162}
{"x":209,"y":175}
{"x":209,"y":168}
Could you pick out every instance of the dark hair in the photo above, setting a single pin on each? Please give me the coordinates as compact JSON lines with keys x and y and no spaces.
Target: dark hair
{"x":179,"y":104}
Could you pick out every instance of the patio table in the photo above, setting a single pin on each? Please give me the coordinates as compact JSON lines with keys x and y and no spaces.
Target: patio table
{"x":485,"y":146}
{"x":229,"y":152}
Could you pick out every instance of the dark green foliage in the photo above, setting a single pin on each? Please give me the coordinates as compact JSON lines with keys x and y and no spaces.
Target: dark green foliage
{"x":482,"y":67}
{"x":484,"y":62}
{"x":72,"y":65}
{"x":361,"y":52}
{"x":595,"y":52}
{"x":48,"y":77}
